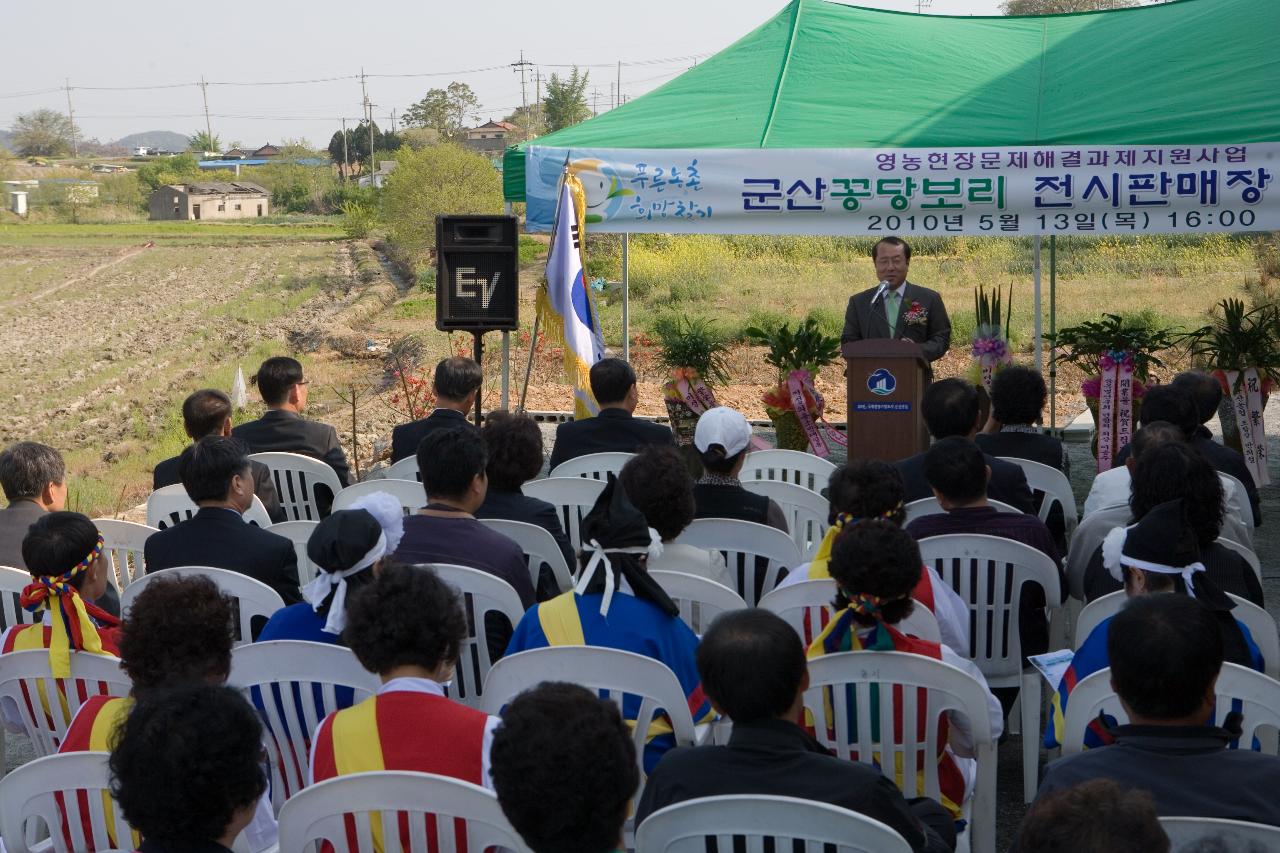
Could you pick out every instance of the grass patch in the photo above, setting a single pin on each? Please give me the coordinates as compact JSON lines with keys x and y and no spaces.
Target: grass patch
{"x":415,"y":307}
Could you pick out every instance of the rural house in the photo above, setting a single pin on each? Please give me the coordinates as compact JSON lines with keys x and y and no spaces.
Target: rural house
{"x":492,"y":136}
{"x":211,"y":200}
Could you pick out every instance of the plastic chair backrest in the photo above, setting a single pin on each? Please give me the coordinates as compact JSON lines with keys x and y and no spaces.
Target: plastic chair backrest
{"x":700,"y":599}
{"x":684,"y":827}
{"x":299,"y":533}
{"x":47,"y":791}
{"x":1239,"y":835}
{"x":741,"y":542}
{"x":405,"y":469}
{"x":805,"y":606}
{"x":1055,"y":487}
{"x":1238,"y":511}
{"x":805,"y":511}
{"x":12,"y":583}
{"x":612,"y":672}
{"x":1093,"y":528}
{"x":252,"y":598}
{"x":573,"y":498}
{"x":872,"y":678}
{"x":47,"y":705}
{"x":930,"y":506}
{"x":482,"y":593}
{"x":593,"y":466}
{"x":410,"y":493}
{"x":122,"y":543}
{"x":791,"y":466}
{"x":294,"y":685}
{"x":297,"y":479}
{"x":988,"y":573}
{"x":1244,"y":551}
{"x":385,"y":799}
{"x":539,"y":547}
{"x":1258,"y":694}
{"x":169,"y":505}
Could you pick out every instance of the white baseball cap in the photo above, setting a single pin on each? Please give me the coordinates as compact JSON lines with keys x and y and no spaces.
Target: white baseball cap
{"x":723,"y":426}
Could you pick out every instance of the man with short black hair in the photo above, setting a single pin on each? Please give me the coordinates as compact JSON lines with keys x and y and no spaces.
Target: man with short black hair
{"x":1166,"y":652}
{"x":951,"y":408}
{"x":208,"y":412}
{"x":456,"y":384}
{"x":216,"y":473}
{"x":613,"y":383}
{"x":753,"y":670}
{"x":282,"y":428}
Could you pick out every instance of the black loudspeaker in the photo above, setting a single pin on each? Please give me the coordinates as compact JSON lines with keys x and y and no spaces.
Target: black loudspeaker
{"x":477,"y":273}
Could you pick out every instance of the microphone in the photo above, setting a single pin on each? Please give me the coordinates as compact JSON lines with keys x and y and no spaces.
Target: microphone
{"x":884,"y":285}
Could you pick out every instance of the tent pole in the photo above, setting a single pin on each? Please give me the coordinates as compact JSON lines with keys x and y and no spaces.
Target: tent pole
{"x":626,"y":297}
{"x":1039,"y":324}
{"x":506,"y":347}
{"x":1053,"y":331}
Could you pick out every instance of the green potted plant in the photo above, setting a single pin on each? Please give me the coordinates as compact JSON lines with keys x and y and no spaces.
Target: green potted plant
{"x":797,"y":356}
{"x":692,"y":350}
{"x":990,"y":335}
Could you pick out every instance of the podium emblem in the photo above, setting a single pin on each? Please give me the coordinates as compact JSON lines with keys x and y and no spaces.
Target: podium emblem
{"x":881,"y":383}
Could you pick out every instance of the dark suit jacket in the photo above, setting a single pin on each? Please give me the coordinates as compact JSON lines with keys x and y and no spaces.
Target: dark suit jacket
{"x":288,"y":432}
{"x":1223,"y":459}
{"x":406,"y":437}
{"x":863,"y":321}
{"x":1041,"y":448}
{"x":777,"y":758}
{"x":219,"y":538}
{"x":517,"y":506}
{"x":14,"y":521}
{"x":1008,"y":484}
{"x":166,"y":474}
{"x":611,"y":430}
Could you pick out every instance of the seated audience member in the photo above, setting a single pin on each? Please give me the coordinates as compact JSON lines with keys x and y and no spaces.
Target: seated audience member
{"x":870,"y":488}
{"x":951,"y":409}
{"x":514,"y":443}
{"x":1159,"y":554}
{"x":407,"y":627}
{"x":456,"y":383}
{"x":208,"y":412}
{"x":617,"y":605}
{"x":452,"y":463}
{"x":1188,"y":403}
{"x":876,"y":565}
{"x":187,"y":769}
{"x":1174,"y":471}
{"x":722,"y":438}
{"x":1093,"y":817}
{"x":34,"y":480}
{"x":282,"y":427}
{"x":347,"y":548}
{"x":658,"y":483}
{"x":1112,"y":487}
{"x":589,"y":775}
{"x":613,"y":383}
{"x":753,"y":670}
{"x":216,"y":474}
{"x":1165,"y":653}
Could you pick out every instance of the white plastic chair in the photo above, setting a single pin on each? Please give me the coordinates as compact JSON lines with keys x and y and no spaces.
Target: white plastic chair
{"x":593,"y":466}
{"x":806,"y":607}
{"x":294,"y":685}
{"x":252,"y":598}
{"x":35,"y":798}
{"x":1055,"y":487}
{"x":168,"y":505}
{"x":539,"y":547}
{"x":805,"y":510}
{"x":409,"y":492}
{"x":700,"y":599}
{"x":122,"y":543}
{"x":1093,"y":528}
{"x":12,"y":583}
{"x":482,"y":594}
{"x":297,"y":478}
{"x":930,"y":506}
{"x":405,"y":469}
{"x":791,"y":466}
{"x":988,"y":572}
{"x":573,"y":498}
{"x":612,"y":672}
{"x":376,"y":802}
{"x":684,"y":827}
{"x":1244,"y":551}
{"x":299,"y":533}
{"x":46,"y":704}
{"x":942,"y":688}
{"x":1258,"y":694}
{"x":1238,"y":513}
{"x":1186,"y":831}
{"x":741,"y":542}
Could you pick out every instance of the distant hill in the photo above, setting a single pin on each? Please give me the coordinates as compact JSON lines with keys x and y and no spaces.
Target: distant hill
{"x":166,"y":140}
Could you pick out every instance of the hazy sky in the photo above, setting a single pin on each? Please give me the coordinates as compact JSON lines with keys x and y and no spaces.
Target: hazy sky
{"x":169,"y":46}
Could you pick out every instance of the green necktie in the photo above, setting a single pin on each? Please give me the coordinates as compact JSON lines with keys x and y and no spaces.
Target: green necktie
{"x":891,"y":299}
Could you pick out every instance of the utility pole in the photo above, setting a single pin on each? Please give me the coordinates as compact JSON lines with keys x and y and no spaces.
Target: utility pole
{"x":368,"y":113}
{"x":393,"y":120}
{"x":537,"y":98}
{"x":208,"y":128}
{"x":619,"y":82}
{"x":522,"y":65}
{"x":346,"y":161}
{"x":71,"y":117}
{"x":595,"y":101}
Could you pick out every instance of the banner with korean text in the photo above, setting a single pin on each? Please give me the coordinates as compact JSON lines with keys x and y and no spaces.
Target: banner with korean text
{"x":935,"y":191}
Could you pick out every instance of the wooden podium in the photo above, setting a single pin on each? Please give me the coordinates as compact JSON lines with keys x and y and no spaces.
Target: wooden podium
{"x":886,"y":383}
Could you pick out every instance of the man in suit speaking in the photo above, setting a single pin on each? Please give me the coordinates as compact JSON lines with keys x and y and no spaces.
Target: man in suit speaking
{"x":896,"y":308}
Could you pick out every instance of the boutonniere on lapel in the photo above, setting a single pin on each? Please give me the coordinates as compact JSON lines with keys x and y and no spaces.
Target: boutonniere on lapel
{"x":917,"y":315}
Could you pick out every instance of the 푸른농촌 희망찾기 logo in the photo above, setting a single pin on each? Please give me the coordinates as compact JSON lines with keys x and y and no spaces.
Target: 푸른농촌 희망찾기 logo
{"x":881,"y":383}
